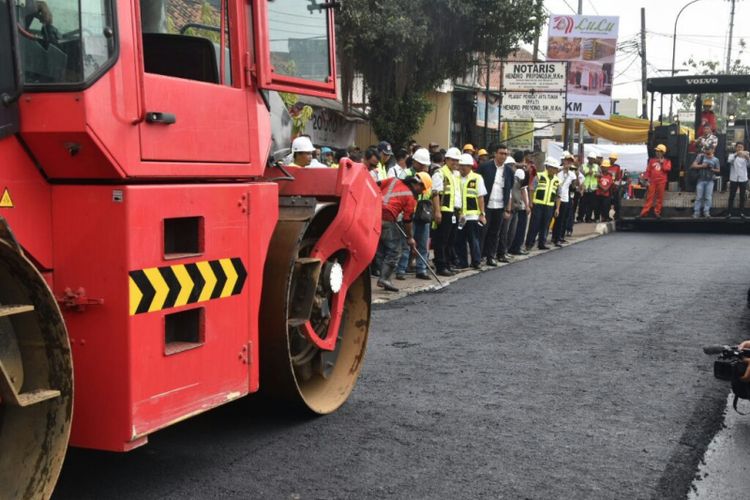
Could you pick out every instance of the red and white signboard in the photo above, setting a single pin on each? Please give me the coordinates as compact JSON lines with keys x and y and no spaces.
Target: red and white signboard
{"x":589,"y":43}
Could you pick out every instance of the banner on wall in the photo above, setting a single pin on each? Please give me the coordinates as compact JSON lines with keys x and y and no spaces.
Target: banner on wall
{"x":493,"y":116}
{"x":589,"y":44}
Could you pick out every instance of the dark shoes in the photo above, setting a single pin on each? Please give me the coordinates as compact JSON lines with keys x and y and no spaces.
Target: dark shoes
{"x":492,"y":262}
{"x":387,"y":285}
{"x":543,"y":247}
{"x":558,"y":244}
{"x":476,"y":265}
{"x":401,"y":277}
{"x":503,"y":259}
{"x":444,"y":272}
{"x":423,"y":276}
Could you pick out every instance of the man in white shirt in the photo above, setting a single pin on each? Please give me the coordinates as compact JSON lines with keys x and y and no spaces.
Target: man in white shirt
{"x":567,"y":177}
{"x":494,"y":175}
{"x":738,"y":162}
{"x":399,"y":169}
{"x":468,"y":232}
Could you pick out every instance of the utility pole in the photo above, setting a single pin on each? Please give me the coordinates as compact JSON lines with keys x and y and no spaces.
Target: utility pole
{"x":538,"y":29}
{"x":724,"y":96}
{"x":644,"y":94}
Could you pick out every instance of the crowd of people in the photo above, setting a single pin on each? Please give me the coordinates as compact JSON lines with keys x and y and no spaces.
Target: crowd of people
{"x":472,"y":207}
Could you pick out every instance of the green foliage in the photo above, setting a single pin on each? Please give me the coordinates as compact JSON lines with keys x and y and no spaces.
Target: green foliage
{"x":406,"y":48}
{"x":738,"y":103}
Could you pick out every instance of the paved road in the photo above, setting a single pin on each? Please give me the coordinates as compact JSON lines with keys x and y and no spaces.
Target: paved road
{"x":504,"y":385}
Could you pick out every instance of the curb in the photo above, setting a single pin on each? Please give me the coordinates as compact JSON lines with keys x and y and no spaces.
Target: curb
{"x":601,"y":230}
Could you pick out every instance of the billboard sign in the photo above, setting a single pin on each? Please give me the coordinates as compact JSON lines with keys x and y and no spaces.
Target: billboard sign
{"x":589,"y":43}
{"x":534,"y":91}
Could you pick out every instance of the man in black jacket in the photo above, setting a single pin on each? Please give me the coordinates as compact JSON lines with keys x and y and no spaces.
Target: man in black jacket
{"x":498,"y":179}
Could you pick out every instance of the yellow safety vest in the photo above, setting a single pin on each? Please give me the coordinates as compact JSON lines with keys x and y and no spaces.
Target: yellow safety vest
{"x":382,"y":172}
{"x":471,"y":195}
{"x":449,"y":190}
{"x":546,"y":189}
{"x":590,"y":171}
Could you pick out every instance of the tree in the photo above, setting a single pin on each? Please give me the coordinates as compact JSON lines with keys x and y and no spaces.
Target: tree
{"x":406,"y":48}
{"x":738,"y":103}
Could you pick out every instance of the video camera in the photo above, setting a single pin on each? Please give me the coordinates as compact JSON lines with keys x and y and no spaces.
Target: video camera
{"x":731,"y":367}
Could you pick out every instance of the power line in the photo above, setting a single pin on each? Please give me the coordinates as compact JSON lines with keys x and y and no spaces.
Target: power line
{"x":571,"y":8}
{"x":592,"y":6}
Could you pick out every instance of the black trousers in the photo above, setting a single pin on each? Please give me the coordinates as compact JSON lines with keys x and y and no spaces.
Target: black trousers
{"x":491,"y":241}
{"x":572,"y":208}
{"x":603,"y":204}
{"x":541,"y":216}
{"x":617,"y":200}
{"x":733,"y":187}
{"x":561,"y":223}
{"x":587,"y":206}
{"x":442,"y":241}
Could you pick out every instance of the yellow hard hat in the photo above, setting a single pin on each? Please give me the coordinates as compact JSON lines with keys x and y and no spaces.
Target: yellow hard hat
{"x":661,"y":147}
{"x":613,"y":156}
{"x":708,"y":101}
{"x":605,"y":163}
{"x":468,"y":147}
{"x":482,"y":152}
{"x":426,"y":180}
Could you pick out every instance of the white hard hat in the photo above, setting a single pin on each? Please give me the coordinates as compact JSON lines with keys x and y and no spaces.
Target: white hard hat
{"x":302,"y":145}
{"x":422,"y":156}
{"x":453,"y":154}
{"x":466,"y":159}
{"x":591,"y":155}
{"x":551,"y":162}
{"x":509,"y":161}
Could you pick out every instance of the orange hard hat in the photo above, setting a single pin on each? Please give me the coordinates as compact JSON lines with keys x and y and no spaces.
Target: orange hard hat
{"x":426,"y":180}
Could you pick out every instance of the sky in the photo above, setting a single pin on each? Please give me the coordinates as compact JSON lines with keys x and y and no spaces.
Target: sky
{"x":702,"y":33}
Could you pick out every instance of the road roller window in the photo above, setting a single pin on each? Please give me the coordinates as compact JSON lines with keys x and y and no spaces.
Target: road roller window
{"x":64,"y":42}
{"x":187,"y":39}
{"x":299,"y":39}
{"x":9,"y":81}
{"x":293,"y":45}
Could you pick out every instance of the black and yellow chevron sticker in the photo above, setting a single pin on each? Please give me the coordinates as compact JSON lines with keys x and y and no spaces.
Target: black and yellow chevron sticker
{"x":159,"y":288}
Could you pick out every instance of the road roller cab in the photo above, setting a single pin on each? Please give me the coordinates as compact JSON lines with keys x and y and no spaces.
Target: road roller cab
{"x":146,"y":252}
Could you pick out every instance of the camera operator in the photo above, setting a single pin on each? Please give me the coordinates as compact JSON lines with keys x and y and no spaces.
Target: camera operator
{"x":745,"y":345}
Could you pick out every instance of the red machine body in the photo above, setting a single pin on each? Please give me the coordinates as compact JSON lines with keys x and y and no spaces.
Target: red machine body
{"x":141,"y":198}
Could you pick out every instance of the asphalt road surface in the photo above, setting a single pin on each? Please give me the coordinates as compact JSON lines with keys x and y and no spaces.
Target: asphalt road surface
{"x":576,"y":374}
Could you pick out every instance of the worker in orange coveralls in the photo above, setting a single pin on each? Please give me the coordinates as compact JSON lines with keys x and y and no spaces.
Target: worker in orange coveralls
{"x":708,"y":118}
{"x":399,"y":198}
{"x":656,"y":173}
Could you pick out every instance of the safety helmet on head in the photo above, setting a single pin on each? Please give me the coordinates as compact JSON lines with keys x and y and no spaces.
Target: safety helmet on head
{"x":422,"y":156}
{"x":606,"y":164}
{"x":302,"y":144}
{"x":482,"y":152}
{"x":551,"y":162}
{"x":509,"y":160}
{"x":469,"y":147}
{"x":426,"y":180}
{"x":591,"y":156}
{"x":613,"y":156}
{"x":453,"y":154}
{"x":661,"y":147}
{"x":466,"y":159}
{"x":708,"y":101}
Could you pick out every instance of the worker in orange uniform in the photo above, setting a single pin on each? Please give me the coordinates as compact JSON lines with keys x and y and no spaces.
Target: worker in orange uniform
{"x":708,"y":118}
{"x":657,"y":173}
{"x":399,"y":198}
{"x":604,"y":188}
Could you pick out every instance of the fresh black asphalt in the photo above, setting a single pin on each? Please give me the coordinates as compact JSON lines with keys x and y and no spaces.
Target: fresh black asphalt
{"x":576,"y":374}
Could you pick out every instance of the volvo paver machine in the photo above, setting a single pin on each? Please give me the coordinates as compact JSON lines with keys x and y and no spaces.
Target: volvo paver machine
{"x":680,"y":196}
{"x":151,"y":266}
